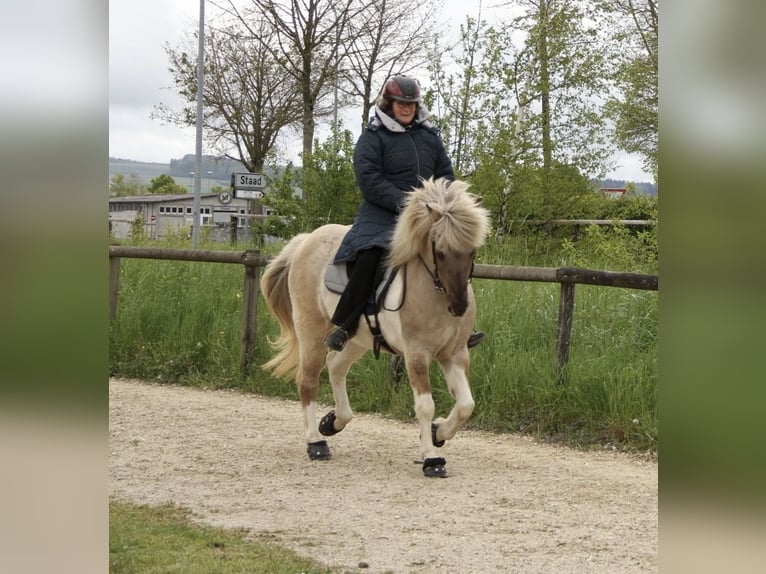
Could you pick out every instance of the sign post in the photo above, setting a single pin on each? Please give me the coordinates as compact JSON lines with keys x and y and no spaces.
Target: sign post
{"x":248,"y":185}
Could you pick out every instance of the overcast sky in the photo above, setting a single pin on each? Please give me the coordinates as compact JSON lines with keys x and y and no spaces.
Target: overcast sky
{"x":139,"y":79}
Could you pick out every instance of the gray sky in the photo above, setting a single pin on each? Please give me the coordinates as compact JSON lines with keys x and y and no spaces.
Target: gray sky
{"x":139,"y":79}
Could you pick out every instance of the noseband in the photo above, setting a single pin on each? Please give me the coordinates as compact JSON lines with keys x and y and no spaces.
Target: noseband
{"x":438,"y":285}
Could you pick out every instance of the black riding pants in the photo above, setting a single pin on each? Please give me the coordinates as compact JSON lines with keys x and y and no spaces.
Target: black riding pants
{"x":364,"y":276}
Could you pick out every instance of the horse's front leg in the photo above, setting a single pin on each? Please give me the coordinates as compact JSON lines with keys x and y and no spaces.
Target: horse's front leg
{"x":455,"y":369}
{"x":417,"y":370}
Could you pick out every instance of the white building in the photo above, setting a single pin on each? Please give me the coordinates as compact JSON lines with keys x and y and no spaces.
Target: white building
{"x":164,"y":215}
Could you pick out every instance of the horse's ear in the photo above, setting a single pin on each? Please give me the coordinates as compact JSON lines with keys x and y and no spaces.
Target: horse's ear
{"x":434,"y":212}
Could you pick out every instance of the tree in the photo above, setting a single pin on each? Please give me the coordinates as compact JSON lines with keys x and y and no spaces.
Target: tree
{"x":332,"y":193}
{"x":471,"y":101}
{"x":635,"y":109}
{"x":324,"y":191}
{"x":119,"y":186}
{"x":389,"y":37}
{"x":565,"y":71}
{"x":522,"y":111}
{"x":247,"y":99}
{"x":165,"y":185}
{"x":311,"y":36}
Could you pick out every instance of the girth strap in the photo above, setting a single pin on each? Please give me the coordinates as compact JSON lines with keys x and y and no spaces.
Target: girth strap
{"x":378,"y":340}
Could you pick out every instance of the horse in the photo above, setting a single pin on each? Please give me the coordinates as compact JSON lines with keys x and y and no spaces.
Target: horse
{"x":427,"y":314}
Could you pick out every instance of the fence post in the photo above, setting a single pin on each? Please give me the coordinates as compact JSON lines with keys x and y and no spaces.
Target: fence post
{"x":250,"y":302}
{"x":564,"y":334}
{"x":114,"y":285}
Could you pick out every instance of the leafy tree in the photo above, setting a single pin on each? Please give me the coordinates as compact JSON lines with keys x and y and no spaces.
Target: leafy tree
{"x":522,"y":112}
{"x":325,"y":191}
{"x":120,"y":186}
{"x":284,"y":198}
{"x":333,"y":195}
{"x":566,"y":71}
{"x":165,"y":185}
{"x":635,"y":109}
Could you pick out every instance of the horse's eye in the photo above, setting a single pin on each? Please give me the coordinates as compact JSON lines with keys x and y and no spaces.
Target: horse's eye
{"x":440,"y":255}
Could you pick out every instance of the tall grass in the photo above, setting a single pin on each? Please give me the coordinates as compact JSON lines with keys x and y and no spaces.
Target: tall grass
{"x":180,"y":322}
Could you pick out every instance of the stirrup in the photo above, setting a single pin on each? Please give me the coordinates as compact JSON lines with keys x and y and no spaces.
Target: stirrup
{"x":476,"y":338}
{"x":337,"y":339}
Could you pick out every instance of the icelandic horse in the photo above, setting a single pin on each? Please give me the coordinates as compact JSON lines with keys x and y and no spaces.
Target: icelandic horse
{"x":427,"y":313}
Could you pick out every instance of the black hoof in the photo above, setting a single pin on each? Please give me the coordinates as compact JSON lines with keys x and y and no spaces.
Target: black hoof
{"x":437,"y":443}
{"x":327,"y":424}
{"x":337,"y":339}
{"x":475,"y":338}
{"x":319,"y":450}
{"x":434,"y":467}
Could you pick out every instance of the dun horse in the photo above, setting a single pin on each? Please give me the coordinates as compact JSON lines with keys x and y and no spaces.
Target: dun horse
{"x":427,"y":313}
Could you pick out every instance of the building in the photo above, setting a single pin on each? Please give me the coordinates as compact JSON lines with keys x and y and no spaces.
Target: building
{"x":163,"y":215}
{"x":613,"y":192}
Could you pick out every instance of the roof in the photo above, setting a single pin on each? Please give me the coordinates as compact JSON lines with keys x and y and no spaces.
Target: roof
{"x":160,"y":198}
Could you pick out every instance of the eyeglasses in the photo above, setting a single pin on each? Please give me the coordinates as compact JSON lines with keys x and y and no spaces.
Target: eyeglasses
{"x":405,"y":104}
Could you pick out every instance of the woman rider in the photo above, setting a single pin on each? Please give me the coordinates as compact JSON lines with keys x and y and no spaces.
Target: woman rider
{"x":397,"y":149}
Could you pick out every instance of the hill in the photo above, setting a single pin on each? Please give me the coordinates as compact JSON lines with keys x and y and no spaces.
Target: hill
{"x":217,"y":171}
{"x":143,"y":171}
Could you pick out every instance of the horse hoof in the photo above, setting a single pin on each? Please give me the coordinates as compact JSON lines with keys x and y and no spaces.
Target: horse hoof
{"x":319,"y":450}
{"x":327,"y":424}
{"x":437,"y":443}
{"x":434,"y":467}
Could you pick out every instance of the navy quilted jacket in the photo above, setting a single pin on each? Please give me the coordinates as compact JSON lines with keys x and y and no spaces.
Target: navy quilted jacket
{"x":389,"y":160}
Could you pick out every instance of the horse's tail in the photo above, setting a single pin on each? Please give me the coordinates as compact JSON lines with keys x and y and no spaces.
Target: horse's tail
{"x":277,"y":295}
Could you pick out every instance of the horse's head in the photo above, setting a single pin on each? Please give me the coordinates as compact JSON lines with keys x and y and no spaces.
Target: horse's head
{"x":443,"y":225}
{"x":452,"y":272}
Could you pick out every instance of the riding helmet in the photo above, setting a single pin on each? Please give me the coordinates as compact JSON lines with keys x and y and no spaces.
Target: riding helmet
{"x":402,"y":88}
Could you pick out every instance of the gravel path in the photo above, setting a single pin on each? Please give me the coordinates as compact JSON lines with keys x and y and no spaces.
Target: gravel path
{"x":509,"y":505}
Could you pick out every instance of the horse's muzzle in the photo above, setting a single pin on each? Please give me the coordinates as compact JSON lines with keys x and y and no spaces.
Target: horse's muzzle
{"x":457,"y":310}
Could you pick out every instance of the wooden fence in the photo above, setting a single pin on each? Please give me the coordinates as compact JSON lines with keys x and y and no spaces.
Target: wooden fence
{"x":567,"y":277}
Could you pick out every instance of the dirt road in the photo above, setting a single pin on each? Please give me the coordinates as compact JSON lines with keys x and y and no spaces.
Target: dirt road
{"x":509,"y":505}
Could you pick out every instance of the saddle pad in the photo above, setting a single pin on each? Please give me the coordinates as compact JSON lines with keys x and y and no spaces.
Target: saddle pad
{"x":336,"y":279}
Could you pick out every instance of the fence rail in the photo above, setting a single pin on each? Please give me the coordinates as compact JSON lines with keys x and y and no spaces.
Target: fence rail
{"x":567,"y":277}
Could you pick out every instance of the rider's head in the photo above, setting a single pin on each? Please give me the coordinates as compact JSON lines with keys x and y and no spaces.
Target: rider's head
{"x":405,"y":92}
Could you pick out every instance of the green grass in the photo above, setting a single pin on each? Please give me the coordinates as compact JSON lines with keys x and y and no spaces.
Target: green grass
{"x":180,"y":322}
{"x":164,"y":539}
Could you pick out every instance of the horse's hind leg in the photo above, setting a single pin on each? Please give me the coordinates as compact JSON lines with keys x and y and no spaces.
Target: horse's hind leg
{"x":307,"y":378}
{"x":338,"y":365}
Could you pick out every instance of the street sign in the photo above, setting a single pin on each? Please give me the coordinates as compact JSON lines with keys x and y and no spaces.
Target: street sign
{"x":247,"y":181}
{"x":248,"y":194}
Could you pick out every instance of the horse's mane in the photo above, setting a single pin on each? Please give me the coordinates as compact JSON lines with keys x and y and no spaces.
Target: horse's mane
{"x":441,"y":211}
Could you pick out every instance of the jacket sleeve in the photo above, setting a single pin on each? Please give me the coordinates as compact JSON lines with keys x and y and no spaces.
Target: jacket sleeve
{"x":368,"y":167}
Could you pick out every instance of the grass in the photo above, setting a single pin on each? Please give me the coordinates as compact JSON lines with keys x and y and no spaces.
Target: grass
{"x":180,"y":322}
{"x":164,"y":539}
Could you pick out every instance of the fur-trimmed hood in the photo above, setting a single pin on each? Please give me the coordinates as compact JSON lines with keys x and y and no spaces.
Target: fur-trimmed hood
{"x":381,"y":118}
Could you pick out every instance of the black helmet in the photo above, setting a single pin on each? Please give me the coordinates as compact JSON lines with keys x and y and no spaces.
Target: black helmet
{"x":402,"y":89}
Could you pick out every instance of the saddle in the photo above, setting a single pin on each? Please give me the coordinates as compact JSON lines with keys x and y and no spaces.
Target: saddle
{"x":336,"y":278}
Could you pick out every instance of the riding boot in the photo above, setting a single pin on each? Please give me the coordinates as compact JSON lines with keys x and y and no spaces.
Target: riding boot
{"x":475,"y":338}
{"x":354,"y":298}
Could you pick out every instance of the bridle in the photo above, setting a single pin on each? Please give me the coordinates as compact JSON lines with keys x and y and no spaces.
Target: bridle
{"x":438,"y":285}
